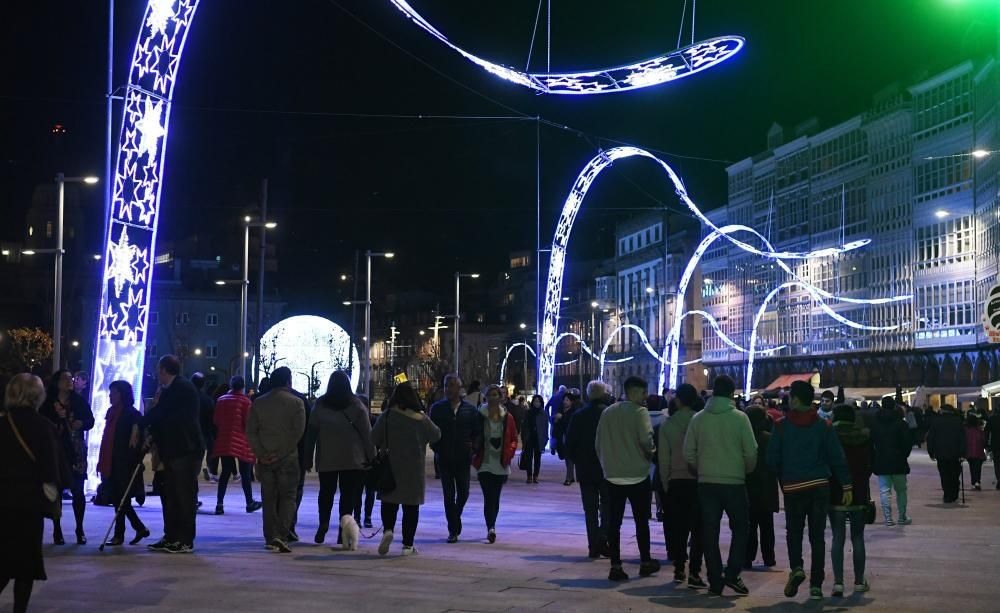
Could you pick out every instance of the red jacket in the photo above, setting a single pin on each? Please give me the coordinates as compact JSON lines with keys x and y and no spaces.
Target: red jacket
{"x":508,"y":447}
{"x":975,"y":443}
{"x":231,"y":412}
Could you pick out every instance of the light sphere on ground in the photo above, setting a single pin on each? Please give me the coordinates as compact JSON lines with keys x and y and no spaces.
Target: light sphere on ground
{"x":308,"y":344}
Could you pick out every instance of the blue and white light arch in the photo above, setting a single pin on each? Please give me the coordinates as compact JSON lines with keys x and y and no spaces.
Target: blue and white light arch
{"x":120,"y":346}
{"x":675,"y":65}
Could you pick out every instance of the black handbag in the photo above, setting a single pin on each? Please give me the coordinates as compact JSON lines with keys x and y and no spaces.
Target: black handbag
{"x":379,"y":466}
{"x":870,"y":512}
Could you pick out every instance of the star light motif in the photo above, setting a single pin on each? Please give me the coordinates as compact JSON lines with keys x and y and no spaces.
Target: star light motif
{"x":132,"y":326}
{"x":125,"y":261}
{"x":160,"y":14}
{"x":150,"y":128}
{"x":109,"y":323}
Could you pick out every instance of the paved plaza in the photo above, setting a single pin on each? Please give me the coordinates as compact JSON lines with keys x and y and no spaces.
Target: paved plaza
{"x":946,"y":560}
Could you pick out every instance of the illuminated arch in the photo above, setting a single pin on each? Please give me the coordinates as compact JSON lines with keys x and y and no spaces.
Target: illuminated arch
{"x":675,"y":65}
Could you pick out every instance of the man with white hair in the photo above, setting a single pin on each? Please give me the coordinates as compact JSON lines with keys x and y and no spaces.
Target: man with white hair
{"x":580,"y":435}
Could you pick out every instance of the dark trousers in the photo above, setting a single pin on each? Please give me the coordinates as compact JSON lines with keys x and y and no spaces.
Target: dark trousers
{"x":639,"y":497}
{"x":351,"y":482}
{"x":800,"y":507}
{"x":127,"y":512}
{"x":491,"y":485}
{"x":594,"y":495}
{"x":79,"y":504}
{"x":683,"y":513}
{"x":838,"y":525}
{"x":950,"y":472}
{"x":455,"y":483}
{"x":369,"y":493}
{"x":411,"y":515}
{"x":975,"y":470}
{"x":22,"y":592}
{"x":533,"y":455}
{"x":211,"y":461}
{"x":716,"y":499}
{"x":299,"y":490}
{"x":761,"y":522}
{"x":179,"y":498}
{"x":229,"y":467}
{"x":996,"y":464}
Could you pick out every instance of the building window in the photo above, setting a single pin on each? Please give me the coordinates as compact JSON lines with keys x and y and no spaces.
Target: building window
{"x":48,"y":229}
{"x":211,"y":350}
{"x":154,"y":318}
{"x":212,"y":319}
{"x":182,"y":319}
{"x":519,"y":261}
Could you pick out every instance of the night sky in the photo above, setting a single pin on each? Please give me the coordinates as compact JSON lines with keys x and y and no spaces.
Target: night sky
{"x":270,"y":88}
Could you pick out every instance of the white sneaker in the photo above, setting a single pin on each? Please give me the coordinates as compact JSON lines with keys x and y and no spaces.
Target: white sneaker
{"x":862,"y":587}
{"x":906,"y":521}
{"x":410,"y":551}
{"x":383,"y":546}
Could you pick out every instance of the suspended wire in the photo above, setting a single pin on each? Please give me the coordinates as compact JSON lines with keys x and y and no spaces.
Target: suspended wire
{"x":680,"y":30}
{"x":538,"y":13}
{"x":548,"y":39}
{"x":694,"y":9}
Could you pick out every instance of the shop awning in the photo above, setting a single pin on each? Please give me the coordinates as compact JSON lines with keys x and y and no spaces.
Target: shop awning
{"x":786,"y":380}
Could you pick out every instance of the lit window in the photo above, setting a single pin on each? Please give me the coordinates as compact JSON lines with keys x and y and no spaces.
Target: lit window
{"x":48,"y":229}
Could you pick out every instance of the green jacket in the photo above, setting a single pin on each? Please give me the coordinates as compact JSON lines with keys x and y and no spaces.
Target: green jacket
{"x":720,"y":444}
{"x":625,"y":441}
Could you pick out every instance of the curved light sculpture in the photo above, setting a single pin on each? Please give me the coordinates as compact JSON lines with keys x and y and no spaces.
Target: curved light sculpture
{"x":130,"y":231}
{"x":675,"y":65}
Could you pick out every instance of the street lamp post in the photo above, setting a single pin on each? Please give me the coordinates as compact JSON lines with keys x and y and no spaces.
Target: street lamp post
{"x":458,"y":283}
{"x":61,"y":181}
{"x":368,"y":320}
{"x":244,"y":293}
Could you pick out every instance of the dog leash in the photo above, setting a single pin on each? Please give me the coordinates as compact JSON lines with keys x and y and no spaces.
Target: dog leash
{"x":372,"y":535}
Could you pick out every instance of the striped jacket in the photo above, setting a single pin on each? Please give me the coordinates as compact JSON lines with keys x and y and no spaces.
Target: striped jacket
{"x":804,"y":452}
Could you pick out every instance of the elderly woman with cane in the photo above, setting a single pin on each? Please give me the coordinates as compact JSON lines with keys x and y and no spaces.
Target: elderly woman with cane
{"x":121,"y":454}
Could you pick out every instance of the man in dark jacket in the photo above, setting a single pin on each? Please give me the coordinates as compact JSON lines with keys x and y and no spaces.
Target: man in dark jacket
{"x":892,"y":445}
{"x":206,"y":417}
{"x":173,"y":422}
{"x":581,"y":432}
{"x":946,"y":445}
{"x":993,"y":442}
{"x":456,"y":419}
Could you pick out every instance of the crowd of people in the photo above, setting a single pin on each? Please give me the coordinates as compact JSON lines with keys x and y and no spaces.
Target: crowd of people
{"x":711,"y":455}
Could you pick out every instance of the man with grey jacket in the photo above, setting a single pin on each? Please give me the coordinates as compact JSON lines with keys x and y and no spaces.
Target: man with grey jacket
{"x":625,"y":447}
{"x":721,"y":449}
{"x":276,"y":423}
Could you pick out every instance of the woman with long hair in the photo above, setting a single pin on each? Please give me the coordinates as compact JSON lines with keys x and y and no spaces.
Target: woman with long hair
{"x":72,"y":417}
{"x":340,"y":434}
{"x":495,"y":446}
{"x":121,"y":452}
{"x":570,"y":403}
{"x":28,"y":475}
{"x":404,"y":431}
{"x":534,"y":435}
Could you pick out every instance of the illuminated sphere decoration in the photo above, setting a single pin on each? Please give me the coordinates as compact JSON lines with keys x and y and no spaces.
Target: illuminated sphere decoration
{"x":309,"y":344}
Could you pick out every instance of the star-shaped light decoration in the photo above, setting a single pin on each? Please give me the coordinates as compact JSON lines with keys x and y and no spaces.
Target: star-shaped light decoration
{"x":160,"y":14}
{"x":109,"y":323}
{"x":121,"y":262}
{"x":133,"y":322}
{"x":706,"y":53}
{"x":150,"y":128}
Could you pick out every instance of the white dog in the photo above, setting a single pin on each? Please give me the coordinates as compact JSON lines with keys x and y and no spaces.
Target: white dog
{"x":349,"y":533}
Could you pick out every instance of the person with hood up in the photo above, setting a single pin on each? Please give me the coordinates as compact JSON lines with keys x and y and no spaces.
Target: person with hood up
{"x":857,"y":444}
{"x":946,"y":444}
{"x":975,"y":450}
{"x":494,"y":447}
{"x":762,"y":490}
{"x":892,"y":446}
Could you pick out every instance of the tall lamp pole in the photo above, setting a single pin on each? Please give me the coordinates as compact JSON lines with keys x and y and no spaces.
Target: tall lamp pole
{"x":367,"y":372}
{"x":244,"y":293}
{"x":458,"y":284}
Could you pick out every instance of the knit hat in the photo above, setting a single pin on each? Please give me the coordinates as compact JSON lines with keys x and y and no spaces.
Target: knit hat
{"x":843,"y":412}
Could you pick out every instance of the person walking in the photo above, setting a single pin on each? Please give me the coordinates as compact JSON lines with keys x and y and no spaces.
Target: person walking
{"x":456,"y":419}
{"x":992,"y":433}
{"x":580,"y":436}
{"x":946,"y":444}
{"x":277,"y":421}
{"x":570,"y":403}
{"x":975,"y":450}
{"x":206,"y":416}
{"x":120,"y":454}
{"x":494,"y":448}
{"x":680,"y":484}
{"x":762,"y":492}
{"x":173,"y":423}
{"x":72,"y":417}
{"x":534,"y":435}
{"x":804,"y":453}
{"x":891,"y":448}
{"x":340,"y":435}
{"x":856,"y":442}
{"x":29,"y":477}
{"x":624,"y":444}
{"x":404,"y":431}
{"x":721,"y":448}
{"x":474,"y":396}
{"x":232,"y":449}
{"x":825,"y":410}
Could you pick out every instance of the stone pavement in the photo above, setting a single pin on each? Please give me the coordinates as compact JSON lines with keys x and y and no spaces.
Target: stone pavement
{"x":946,"y":560}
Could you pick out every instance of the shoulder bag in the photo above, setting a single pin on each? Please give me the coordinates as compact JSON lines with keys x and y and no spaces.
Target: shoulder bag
{"x":51,"y":509}
{"x":869,"y":512}
{"x":385,"y":481}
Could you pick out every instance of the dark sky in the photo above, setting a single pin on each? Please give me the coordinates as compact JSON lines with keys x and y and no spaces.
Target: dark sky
{"x":262,"y":83}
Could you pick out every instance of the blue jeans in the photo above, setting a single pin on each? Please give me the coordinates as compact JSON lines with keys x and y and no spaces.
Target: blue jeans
{"x":714,"y":498}
{"x":811,"y":505}
{"x":455,"y":484}
{"x":838,"y":523}
{"x":887,"y":483}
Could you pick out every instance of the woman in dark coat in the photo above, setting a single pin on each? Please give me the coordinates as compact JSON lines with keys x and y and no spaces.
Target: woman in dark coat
{"x":28,"y":475}
{"x":570,"y":403}
{"x":762,"y":490}
{"x":534,"y":435}
{"x":72,"y":417}
{"x":121,"y":452}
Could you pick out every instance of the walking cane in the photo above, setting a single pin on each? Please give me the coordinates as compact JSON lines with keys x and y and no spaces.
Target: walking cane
{"x":128,"y":490}
{"x":961,"y":470}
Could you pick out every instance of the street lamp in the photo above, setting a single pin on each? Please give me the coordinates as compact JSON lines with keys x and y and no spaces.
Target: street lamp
{"x":244,"y":294}
{"x":458,"y":283}
{"x":61,"y":181}
{"x":368,"y":317}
